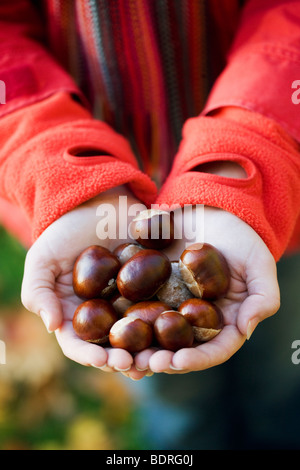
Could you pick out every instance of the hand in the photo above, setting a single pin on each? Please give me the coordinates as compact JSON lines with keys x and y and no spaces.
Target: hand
{"x":47,"y":283}
{"x":252,"y":297}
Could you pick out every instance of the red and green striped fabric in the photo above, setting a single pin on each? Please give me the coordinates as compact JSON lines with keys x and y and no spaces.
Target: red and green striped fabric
{"x":145,"y":65}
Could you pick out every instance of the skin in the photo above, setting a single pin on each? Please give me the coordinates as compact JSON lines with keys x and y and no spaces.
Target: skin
{"x":253,"y":295}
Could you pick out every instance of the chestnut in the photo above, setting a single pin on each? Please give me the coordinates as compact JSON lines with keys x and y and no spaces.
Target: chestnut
{"x":205,"y":271}
{"x":204,"y":316}
{"x":132,"y":334}
{"x":93,"y":320}
{"x":94,"y":273}
{"x":143,"y":274}
{"x":126,"y":250}
{"x":153,"y":229}
{"x":119,"y":303}
{"x":174,"y":291}
{"x":173,"y":331}
{"x":147,"y":311}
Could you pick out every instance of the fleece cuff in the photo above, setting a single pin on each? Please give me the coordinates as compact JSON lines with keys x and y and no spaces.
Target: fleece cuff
{"x":55,"y":156}
{"x":267,"y":199}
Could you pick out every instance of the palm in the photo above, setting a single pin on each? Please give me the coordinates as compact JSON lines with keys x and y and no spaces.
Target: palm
{"x":64,"y":291}
{"x":47,"y":285}
{"x":253,"y":294}
{"x":47,"y":282}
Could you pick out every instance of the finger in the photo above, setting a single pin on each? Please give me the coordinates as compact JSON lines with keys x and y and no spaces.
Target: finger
{"x":163,"y":361}
{"x":160,"y":361}
{"x":135,"y":374}
{"x":82,"y":352}
{"x":119,"y":359}
{"x":264,"y":295}
{"x":204,"y":356}
{"x":142,"y":358}
{"x":37,"y":292}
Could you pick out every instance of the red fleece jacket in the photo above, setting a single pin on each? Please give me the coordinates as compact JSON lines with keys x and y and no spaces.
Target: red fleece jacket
{"x":43,"y":130}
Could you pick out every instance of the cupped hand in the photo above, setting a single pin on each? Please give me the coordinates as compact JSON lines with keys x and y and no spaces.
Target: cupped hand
{"x":47,"y":288}
{"x":47,"y":282}
{"x":252,"y":297}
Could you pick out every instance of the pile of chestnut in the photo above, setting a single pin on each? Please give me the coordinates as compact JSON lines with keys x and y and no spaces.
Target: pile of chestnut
{"x":136,"y":297}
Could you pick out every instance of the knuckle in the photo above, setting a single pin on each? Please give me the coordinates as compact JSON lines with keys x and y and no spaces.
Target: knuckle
{"x":277,"y":304}
{"x":25,"y":299}
{"x":28,"y":297}
{"x":273,"y":307}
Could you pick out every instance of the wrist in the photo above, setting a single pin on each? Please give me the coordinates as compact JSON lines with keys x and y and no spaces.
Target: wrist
{"x":113,"y":211}
{"x":222,"y":168}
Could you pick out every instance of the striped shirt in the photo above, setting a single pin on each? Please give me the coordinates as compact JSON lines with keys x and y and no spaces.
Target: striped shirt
{"x":144,"y":65}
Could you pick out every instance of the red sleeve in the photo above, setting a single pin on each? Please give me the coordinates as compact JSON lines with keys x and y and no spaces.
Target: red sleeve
{"x":251,"y":119}
{"x":263,"y":65}
{"x":43,"y":132}
{"x":267,"y":199}
{"x":29,"y":72}
{"x":54,"y":156}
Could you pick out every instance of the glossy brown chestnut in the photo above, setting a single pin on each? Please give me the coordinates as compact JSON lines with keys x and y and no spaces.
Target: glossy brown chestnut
{"x":95,"y":272}
{"x":174,"y":291}
{"x":143,"y":274}
{"x":147,"y":311}
{"x":205,"y":271}
{"x":173,"y":331}
{"x":126,"y":250}
{"x":93,"y":320}
{"x":132,"y":334}
{"x":205,"y":317}
{"x":153,"y":228}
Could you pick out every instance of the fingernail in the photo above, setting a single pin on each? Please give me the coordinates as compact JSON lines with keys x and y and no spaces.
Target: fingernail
{"x":141,"y":370}
{"x":98,"y":367}
{"x":122,"y":370}
{"x":149,"y":374}
{"x":251,"y":327}
{"x":46,"y":320}
{"x":175,"y":368}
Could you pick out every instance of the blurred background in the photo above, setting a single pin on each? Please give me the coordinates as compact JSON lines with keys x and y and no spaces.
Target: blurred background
{"x":46,"y":400}
{"x":49,"y":402}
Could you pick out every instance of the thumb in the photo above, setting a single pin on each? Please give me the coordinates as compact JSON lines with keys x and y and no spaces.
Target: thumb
{"x":263,"y":295}
{"x":38,"y":294}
